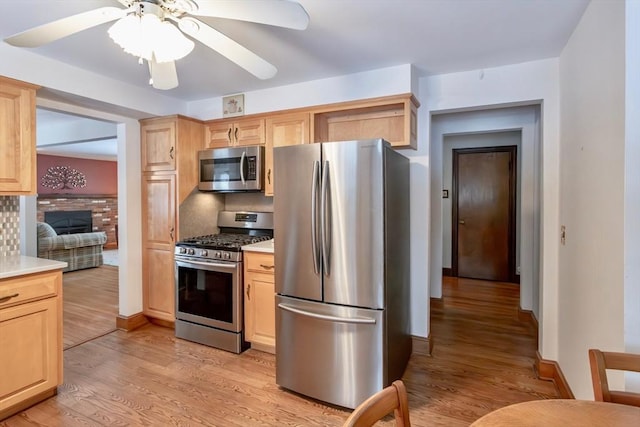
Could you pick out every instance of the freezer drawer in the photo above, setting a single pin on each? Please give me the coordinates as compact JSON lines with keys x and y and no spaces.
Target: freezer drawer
{"x":330,"y":353}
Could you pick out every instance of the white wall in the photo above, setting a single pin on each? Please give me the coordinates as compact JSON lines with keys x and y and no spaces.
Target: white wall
{"x":592,"y":190}
{"x":632,"y":189}
{"x":87,"y":89}
{"x":368,"y":84}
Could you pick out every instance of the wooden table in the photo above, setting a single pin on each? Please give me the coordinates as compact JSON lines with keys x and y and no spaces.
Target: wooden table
{"x":561,"y":413}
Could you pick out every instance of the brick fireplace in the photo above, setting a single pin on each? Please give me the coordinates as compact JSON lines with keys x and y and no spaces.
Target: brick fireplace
{"x":103,"y":208}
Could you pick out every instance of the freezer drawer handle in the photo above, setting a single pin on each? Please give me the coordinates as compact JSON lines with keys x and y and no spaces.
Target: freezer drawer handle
{"x":360,"y":320}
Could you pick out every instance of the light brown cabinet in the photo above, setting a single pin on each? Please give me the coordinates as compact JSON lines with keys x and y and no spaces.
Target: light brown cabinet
{"x":17,"y":137}
{"x":158,"y":237}
{"x":158,"y":142}
{"x":393,"y":118}
{"x":283,"y":129}
{"x":259,"y":301}
{"x":30,"y":339}
{"x":170,"y":173}
{"x":230,"y":133}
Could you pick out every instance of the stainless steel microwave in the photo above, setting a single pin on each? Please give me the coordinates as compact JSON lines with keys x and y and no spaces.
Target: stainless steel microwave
{"x":232,"y":169}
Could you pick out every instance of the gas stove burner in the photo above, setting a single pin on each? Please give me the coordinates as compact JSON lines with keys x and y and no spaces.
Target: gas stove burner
{"x":223,"y":241}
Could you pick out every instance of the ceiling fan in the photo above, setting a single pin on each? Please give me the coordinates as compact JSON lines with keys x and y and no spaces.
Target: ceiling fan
{"x":154,"y":30}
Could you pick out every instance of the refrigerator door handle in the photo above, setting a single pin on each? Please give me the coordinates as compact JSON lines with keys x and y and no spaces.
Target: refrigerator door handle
{"x":358,"y":320}
{"x":324,"y":224}
{"x":314,"y":217}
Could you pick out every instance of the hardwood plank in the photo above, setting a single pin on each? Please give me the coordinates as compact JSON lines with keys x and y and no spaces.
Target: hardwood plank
{"x":90,"y":304}
{"x":483,"y":358}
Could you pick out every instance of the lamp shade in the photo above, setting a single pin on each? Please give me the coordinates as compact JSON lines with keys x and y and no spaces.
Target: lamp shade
{"x":146,"y":36}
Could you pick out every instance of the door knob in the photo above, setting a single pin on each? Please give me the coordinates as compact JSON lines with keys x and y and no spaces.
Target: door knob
{"x":461,"y":222}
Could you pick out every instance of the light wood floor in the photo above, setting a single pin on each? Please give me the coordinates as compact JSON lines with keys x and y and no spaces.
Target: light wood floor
{"x":482,"y":359}
{"x":90,"y":301}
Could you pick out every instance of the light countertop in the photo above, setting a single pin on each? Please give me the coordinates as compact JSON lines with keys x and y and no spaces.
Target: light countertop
{"x":18,"y":265}
{"x":266,"y":246}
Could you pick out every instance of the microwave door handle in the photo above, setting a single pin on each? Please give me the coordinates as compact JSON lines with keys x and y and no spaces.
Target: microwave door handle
{"x":314,"y":216}
{"x":244,"y":154}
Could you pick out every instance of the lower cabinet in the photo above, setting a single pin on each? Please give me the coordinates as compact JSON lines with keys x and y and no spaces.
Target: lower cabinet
{"x":159,"y":284}
{"x":259,"y":301}
{"x":30,"y":340}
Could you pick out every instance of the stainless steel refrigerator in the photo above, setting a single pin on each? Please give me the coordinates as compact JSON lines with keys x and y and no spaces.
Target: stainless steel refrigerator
{"x":341,"y":215}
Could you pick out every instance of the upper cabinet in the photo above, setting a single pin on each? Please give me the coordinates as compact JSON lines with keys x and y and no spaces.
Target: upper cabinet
{"x":159,"y":146}
{"x":17,"y":137}
{"x":283,"y":129}
{"x":393,"y":118}
{"x":230,"y":133}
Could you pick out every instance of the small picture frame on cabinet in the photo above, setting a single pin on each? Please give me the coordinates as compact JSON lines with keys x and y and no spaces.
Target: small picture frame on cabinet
{"x":233,"y":105}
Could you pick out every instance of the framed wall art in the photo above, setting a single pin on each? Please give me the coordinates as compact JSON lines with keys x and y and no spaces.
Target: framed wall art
{"x":233,"y":105}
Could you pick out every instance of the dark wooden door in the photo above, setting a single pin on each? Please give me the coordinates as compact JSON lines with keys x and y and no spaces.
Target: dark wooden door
{"x":484,"y":213}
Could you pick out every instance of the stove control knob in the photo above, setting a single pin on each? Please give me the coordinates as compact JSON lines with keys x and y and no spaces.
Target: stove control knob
{"x":227,"y":255}
{"x":204,"y":253}
{"x":191,"y":251}
{"x":183,"y":250}
{"x":218,"y":255}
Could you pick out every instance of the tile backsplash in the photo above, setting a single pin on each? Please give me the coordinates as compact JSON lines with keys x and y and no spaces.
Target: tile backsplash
{"x":9,"y":225}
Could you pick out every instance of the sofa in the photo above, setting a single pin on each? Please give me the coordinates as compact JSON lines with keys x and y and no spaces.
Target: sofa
{"x":81,"y":250}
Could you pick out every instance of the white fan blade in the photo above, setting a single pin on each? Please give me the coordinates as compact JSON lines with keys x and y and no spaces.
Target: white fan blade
{"x":281,"y":13}
{"x":163,"y":75}
{"x":64,"y":27}
{"x":222,"y":44}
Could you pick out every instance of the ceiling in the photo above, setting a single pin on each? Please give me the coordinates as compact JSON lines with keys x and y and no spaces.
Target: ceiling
{"x":343,"y":37}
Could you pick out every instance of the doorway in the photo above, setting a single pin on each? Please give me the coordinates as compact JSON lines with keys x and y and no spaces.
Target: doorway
{"x":490,"y":127}
{"x":484,"y":211}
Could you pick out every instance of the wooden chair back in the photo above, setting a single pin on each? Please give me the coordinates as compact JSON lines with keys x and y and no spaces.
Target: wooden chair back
{"x":602,"y":360}
{"x":390,"y":399}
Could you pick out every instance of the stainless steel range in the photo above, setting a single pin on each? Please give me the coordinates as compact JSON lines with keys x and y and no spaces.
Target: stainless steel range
{"x":209,"y":280}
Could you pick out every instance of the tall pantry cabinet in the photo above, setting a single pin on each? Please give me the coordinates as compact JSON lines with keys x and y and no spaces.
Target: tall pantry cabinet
{"x":169,"y":174}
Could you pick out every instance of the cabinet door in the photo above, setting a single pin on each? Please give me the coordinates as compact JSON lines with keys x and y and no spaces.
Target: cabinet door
{"x":249,"y":132}
{"x":287,"y":129}
{"x":159,"y":146}
{"x":260,"y":313}
{"x":30,"y":355}
{"x":158,"y":238}
{"x":159,"y":211}
{"x":219,"y":134}
{"x":17,"y":139}
{"x":158,"y":290}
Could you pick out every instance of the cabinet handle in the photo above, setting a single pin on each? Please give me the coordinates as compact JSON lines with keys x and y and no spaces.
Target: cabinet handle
{"x":249,"y":291}
{"x":171,"y":233}
{"x":7,"y":298}
{"x":229,"y":136}
{"x":269,"y":176}
{"x":266,"y":267}
{"x":236,"y":135}
{"x":171,"y":152}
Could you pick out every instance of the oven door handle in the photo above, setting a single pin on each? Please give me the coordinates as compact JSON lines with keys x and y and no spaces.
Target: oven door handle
{"x":207,"y":265}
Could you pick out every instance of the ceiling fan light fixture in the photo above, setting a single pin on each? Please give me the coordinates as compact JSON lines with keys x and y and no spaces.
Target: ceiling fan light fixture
{"x":146,"y":36}
{"x":170,"y":44}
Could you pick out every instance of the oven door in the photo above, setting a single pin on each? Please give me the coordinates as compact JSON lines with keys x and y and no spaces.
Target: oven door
{"x":209,"y":293}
